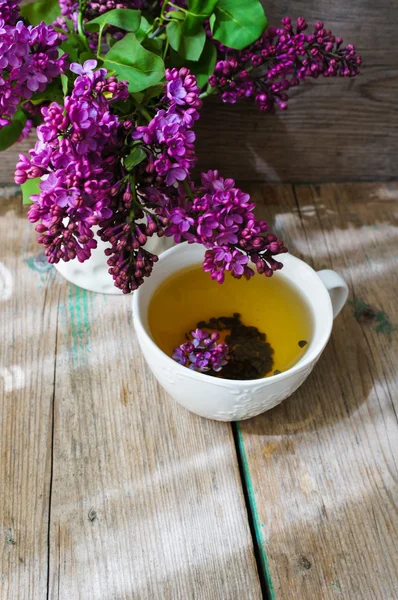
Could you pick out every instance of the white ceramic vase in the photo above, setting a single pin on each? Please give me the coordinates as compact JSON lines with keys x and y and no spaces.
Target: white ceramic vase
{"x":93,"y":274}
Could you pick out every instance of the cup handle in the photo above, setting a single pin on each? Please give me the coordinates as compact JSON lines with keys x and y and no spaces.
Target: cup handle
{"x":337,"y":288}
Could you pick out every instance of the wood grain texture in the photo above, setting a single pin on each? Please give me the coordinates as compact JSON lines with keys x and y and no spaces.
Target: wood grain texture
{"x":334,"y":130}
{"x":322,"y":466}
{"x":28,"y":293}
{"x":108,"y":489}
{"x":168,"y":518}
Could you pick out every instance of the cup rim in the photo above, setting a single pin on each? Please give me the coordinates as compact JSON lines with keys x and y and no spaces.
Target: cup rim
{"x":312,"y":354}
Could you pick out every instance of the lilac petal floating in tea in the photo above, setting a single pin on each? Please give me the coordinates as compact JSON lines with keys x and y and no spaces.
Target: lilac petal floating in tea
{"x":250,"y":353}
{"x":202,"y":353}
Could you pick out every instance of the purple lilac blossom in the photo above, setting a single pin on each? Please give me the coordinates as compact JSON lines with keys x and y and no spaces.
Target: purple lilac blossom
{"x":217,"y":215}
{"x":26,"y":130}
{"x":75,"y":158}
{"x":9,"y":11}
{"x":168,"y":136}
{"x":128,"y":260}
{"x":202,"y":353}
{"x":28,"y":63}
{"x":167,"y":142}
{"x":69,"y":8}
{"x":127,"y":230}
{"x":84,"y":182}
{"x":280,"y":59}
{"x":221,"y":218}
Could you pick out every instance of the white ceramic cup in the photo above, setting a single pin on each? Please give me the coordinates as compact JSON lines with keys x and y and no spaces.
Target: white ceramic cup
{"x":225,"y":399}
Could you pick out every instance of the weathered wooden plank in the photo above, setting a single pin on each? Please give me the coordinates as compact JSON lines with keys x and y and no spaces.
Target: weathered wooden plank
{"x":128,"y":489}
{"x":334,"y":130}
{"x":322,"y":465}
{"x":146,"y":498}
{"x":28,"y":302}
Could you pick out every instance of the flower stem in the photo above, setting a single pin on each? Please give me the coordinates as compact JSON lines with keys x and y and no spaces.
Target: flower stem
{"x":130,"y":218}
{"x":99,"y":44}
{"x":144,"y":112}
{"x":209,"y":92}
{"x":188,"y":189}
{"x":177,"y":7}
{"x":165,"y":3}
{"x":80,"y":29}
{"x":166,"y":49}
{"x":133,"y":190}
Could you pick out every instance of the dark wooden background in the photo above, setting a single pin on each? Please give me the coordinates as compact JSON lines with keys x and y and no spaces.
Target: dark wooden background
{"x":334,"y":130}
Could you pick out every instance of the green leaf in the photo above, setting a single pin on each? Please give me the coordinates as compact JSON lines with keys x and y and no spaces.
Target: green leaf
{"x":178,"y":15}
{"x":10,"y":134}
{"x":43,"y":10}
{"x":203,"y":68}
{"x":142,"y":32}
{"x":198,"y":11}
{"x":202,"y":8}
{"x":238,"y":24}
{"x":109,"y":40}
{"x":123,"y":18}
{"x":124,"y":107}
{"x":136,"y":156}
{"x":71,"y":47}
{"x":188,"y":46}
{"x":69,"y":25}
{"x":30,"y":187}
{"x":131,"y":62}
{"x":65,"y":84}
{"x":52,"y":93}
{"x":153,"y":92}
{"x":87,"y":56}
{"x":186,"y":32}
{"x":138,"y":97}
{"x":153,"y":45}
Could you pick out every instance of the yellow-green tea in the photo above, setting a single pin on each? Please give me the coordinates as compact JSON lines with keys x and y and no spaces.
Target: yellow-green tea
{"x":273,"y":305}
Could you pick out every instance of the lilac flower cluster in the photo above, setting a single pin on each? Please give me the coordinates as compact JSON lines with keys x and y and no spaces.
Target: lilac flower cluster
{"x":28,"y":63}
{"x":167,"y":141}
{"x":75,"y":158}
{"x":202,"y":353}
{"x":217,"y":215}
{"x":9,"y":11}
{"x":69,"y":8}
{"x":221,"y":218}
{"x":168,"y":137}
{"x":128,"y":230}
{"x":279,"y":60}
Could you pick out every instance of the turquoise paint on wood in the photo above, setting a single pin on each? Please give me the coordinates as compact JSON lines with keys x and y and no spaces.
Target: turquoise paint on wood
{"x":40,"y":265}
{"x":261,"y":542}
{"x":365,"y":313}
{"x":79,"y":304}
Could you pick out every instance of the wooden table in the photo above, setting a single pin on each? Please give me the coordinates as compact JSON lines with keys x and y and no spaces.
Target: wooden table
{"x":111,"y":491}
